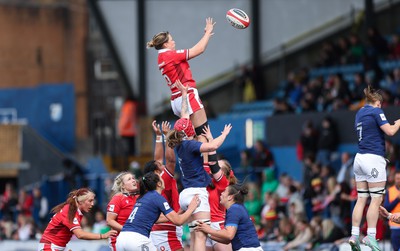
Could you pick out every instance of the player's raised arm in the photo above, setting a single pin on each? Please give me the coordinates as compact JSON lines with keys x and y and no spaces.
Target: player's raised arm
{"x":201,"y":46}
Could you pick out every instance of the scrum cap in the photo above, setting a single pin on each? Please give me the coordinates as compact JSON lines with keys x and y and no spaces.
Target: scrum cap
{"x":186,"y":126}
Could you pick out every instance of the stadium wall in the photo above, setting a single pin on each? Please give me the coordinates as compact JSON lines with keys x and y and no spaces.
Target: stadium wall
{"x":45,"y":42}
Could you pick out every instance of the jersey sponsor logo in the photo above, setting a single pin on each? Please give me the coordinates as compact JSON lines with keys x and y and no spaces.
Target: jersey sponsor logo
{"x":382,"y":116}
{"x":166,"y":205}
{"x":111,"y":208}
{"x":75,"y":221}
{"x":180,"y":51}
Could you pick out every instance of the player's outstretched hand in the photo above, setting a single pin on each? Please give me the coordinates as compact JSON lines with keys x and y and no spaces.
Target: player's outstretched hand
{"x":227,"y":129}
{"x":165,"y":127}
{"x":207,"y":133}
{"x":156,"y":128}
{"x":209,"y":26}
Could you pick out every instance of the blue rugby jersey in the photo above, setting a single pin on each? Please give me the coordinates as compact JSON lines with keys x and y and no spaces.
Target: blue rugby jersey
{"x":370,"y":136}
{"x":146,"y":212}
{"x":191,"y":164}
{"x":246,"y":235}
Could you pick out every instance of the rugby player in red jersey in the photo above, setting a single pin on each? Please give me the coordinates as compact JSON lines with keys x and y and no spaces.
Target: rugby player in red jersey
{"x":66,"y":222}
{"x":119,"y":208}
{"x":174,"y":66}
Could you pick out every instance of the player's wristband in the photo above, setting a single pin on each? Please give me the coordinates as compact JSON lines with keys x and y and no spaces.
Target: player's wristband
{"x":388,"y":217}
{"x":159,"y":139}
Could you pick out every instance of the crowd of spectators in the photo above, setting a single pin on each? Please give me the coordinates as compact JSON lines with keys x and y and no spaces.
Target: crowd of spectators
{"x":332,"y":92}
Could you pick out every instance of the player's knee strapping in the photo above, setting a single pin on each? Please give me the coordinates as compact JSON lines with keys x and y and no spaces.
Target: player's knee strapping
{"x":199,"y":129}
{"x":362,"y":192}
{"x":377,"y":191}
{"x":194,"y":223}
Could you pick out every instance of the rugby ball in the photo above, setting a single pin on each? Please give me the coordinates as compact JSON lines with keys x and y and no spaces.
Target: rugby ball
{"x":238,"y":18}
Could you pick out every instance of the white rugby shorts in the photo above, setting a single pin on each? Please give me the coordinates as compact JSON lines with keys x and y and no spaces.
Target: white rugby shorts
{"x":194,"y":103}
{"x":131,"y":241}
{"x":187,"y":194}
{"x":369,"y":167}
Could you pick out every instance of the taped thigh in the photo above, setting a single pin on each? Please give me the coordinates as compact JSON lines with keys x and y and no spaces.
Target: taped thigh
{"x":362,"y":193}
{"x":377,"y":191}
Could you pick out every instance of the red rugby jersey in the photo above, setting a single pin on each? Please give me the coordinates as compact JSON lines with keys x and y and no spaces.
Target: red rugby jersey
{"x":59,"y":230}
{"x":171,"y":194}
{"x":173,"y":65}
{"x":121,"y":205}
{"x":217,"y":211}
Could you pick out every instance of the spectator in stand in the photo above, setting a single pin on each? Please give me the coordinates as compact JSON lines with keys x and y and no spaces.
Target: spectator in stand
{"x":25,"y":228}
{"x":378,"y":44}
{"x":342,"y":50}
{"x":248,"y":89}
{"x":394,"y":47}
{"x":66,"y":222}
{"x":304,"y":234}
{"x":270,"y":216}
{"x":262,"y":156}
{"x":309,"y":139}
{"x":25,"y":203}
{"x":269,"y":182}
{"x":392,"y":152}
{"x":8,"y":202}
{"x":372,"y":69}
{"x":245,"y":163}
{"x":346,"y":168}
{"x":329,"y":234}
{"x":127,"y":126}
{"x":100,"y":224}
{"x":356,"y":50}
{"x":327,"y":141}
{"x":253,"y":203}
{"x":357,"y":93}
{"x":281,"y":106}
{"x":394,"y":88}
{"x":40,"y":208}
{"x":392,"y":204}
{"x":328,"y":56}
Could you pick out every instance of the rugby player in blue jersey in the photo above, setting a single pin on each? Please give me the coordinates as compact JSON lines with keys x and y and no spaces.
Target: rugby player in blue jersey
{"x":370,"y":166}
{"x":135,"y":233}
{"x":194,"y":178}
{"x":239,"y":229}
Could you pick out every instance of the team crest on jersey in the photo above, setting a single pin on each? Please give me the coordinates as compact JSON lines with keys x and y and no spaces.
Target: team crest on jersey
{"x":166,"y":205}
{"x":111,"y":208}
{"x":180,"y":51}
{"x":382,"y":116}
{"x":75,"y":221}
